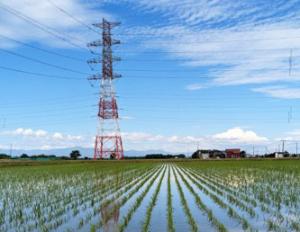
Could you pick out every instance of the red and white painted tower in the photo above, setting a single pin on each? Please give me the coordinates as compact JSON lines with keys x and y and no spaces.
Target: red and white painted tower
{"x":108,"y":142}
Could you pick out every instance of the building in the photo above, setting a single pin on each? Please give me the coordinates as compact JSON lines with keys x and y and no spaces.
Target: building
{"x":216,"y":154}
{"x":279,"y":155}
{"x":201,"y":154}
{"x":233,"y":153}
{"x":208,"y":154}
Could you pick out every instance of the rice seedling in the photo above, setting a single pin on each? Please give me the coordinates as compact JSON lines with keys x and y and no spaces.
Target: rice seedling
{"x":51,"y":197}
{"x":152,"y":204}
{"x":204,"y":208}
{"x":170,"y":206}
{"x":230,"y":211}
{"x":189,"y":215}
{"x":138,"y":201}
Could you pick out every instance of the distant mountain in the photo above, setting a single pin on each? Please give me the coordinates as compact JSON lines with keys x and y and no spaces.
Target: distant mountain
{"x":84,"y":151}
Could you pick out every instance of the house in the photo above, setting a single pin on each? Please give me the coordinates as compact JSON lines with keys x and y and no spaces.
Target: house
{"x":208,"y":154}
{"x":233,"y":153}
{"x":279,"y":155}
{"x":201,"y":154}
{"x":216,"y":154}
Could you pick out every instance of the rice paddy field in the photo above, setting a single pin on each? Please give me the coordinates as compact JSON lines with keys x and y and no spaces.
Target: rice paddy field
{"x":246,"y":195}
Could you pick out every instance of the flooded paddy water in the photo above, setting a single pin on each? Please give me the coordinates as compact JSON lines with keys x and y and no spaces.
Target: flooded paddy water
{"x":151,"y":196}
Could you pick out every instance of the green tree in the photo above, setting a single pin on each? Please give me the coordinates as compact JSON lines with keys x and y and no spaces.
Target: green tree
{"x":24,"y":156}
{"x":75,"y":154}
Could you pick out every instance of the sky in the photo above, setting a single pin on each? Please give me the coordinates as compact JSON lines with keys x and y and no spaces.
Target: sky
{"x":195,"y":73}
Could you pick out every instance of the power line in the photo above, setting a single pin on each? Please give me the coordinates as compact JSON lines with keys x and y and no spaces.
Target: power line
{"x":217,"y":41}
{"x":41,"y":26}
{"x":73,"y":17}
{"x":171,"y":32}
{"x":41,"y":49}
{"x":39,"y":74}
{"x":153,"y":34}
{"x":204,"y":52}
{"x":128,"y":70}
{"x":76,"y":98}
{"x":42,"y":62}
{"x":209,"y":70}
{"x":190,"y":60}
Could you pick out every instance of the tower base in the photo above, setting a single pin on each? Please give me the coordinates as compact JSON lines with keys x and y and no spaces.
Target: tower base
{"x":108,"y":147}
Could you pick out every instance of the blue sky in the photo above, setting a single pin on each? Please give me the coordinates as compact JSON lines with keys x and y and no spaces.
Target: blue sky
{"x":195,"y":72}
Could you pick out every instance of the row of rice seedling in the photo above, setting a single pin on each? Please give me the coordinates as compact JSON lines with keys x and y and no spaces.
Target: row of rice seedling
{"x":117,"y":200}
{"x":125,"y":195}
{"x":270,"y":188}
{"x":50,"y":199}
{"x":80,"y":203}
{"x":152,"y":204}
{"x":230,"y":211}
{"x":231,"y":198}
{"x":219,"y":226}
{"x":269,"y":205}
{"x":191,"y":220}
{"x":139,"y":200}
{"x":170,"y":205}
{"x":37,"y":207}
{"x":231,"y":195}
{"x":237,"y":194}
{"x":120,"y":189}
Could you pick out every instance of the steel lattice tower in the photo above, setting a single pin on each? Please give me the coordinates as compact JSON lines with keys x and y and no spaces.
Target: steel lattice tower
{"x":108,"y":142}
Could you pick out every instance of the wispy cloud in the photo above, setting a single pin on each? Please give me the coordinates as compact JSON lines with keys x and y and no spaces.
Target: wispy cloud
{"x":45,"y":13}
{"x":280,"y":92}
{"x":238,"y":43}
{"x":196,"y":86}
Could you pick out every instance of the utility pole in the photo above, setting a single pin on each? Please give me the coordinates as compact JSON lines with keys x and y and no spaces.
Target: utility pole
{"x":283,"y":143}
{"x":253,"y":150}
{"x":296,"y":148}
{"x":266,"y":150}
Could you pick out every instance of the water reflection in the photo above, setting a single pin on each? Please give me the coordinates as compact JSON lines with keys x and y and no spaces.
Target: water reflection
{"x":110,"y":216}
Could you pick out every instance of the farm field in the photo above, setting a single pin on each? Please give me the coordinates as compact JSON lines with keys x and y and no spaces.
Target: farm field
{"x":245,"y":195}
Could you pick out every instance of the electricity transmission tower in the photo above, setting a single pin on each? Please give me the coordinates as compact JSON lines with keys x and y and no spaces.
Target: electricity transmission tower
{"x":108,"y":142}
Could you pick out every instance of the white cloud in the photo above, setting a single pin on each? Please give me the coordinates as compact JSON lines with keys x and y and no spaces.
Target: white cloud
{"x":175,"y":143}
{"x":239,"y":43}
{"x":138,"y":141}
{"x":41,"y":133}
{"x":195,"y":86}
{"x":57,"y":136}
{"x":280,"y":92}
{"x":46,"y":14}
{"x":37,"y":139}
{"x":238,"y":135}
{"x":26,"y":132}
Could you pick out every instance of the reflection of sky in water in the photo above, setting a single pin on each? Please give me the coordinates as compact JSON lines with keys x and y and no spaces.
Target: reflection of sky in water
{"x":240,"y":184}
